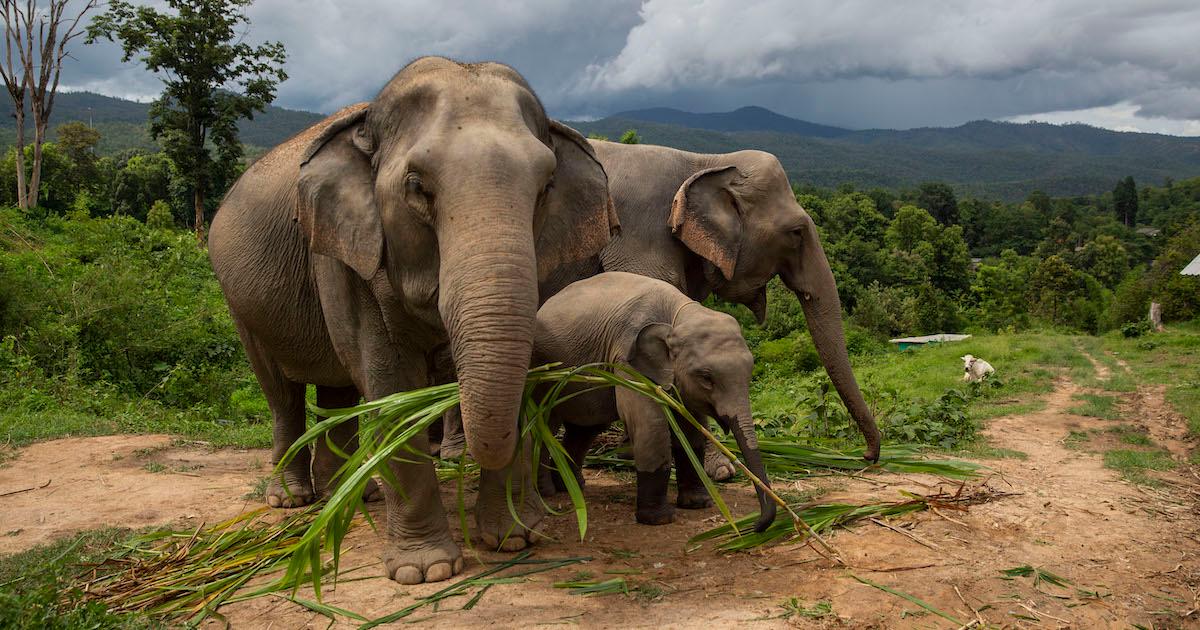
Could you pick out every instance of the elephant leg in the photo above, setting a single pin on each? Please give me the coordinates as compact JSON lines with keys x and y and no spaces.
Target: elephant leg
{"x":454,"y":441}
{"x":498,"y":528}
{"x":419,"y":546}
{"x":576,"y":441}
{"x":293,"y":487}
{"x":651,"y":440}
{"x":692,"y":493}
{"x":325,"y":462}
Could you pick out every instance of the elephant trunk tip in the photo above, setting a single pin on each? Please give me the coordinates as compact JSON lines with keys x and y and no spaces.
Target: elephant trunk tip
{"x":871,"y":453}
{"x":766,"y":515}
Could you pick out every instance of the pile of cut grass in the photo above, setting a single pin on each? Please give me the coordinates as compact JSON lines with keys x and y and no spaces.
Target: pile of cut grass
{"x":822,"y":517}
{"x":190,"y":575}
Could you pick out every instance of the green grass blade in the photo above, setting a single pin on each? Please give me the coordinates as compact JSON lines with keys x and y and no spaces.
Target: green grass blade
{"x":909,"y":598}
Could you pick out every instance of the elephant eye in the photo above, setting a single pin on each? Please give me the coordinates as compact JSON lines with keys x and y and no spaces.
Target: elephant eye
{"x":413,"y":185}
{"x":704,"y":378}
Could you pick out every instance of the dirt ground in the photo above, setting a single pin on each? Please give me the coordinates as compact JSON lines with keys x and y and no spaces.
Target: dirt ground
{"x":1134,"y":548}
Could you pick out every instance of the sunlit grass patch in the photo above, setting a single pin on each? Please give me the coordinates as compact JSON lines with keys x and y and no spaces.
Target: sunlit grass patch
{"x":1096,"y":406}
{"x":1133,"y":464}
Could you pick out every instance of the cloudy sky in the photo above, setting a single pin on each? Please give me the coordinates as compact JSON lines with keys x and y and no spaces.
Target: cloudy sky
{"x":1128,"y":65}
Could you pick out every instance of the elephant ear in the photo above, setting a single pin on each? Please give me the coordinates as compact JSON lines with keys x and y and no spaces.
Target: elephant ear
{"x":651,"y":356}
{"x":336,"y":194}
{"x":579,"y":217}
{"x":706,"y":217}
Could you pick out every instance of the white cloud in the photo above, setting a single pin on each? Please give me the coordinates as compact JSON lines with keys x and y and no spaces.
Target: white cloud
{"x":1120,"y":117}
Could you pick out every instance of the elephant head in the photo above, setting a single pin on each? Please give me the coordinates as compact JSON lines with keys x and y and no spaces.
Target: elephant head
{"x":453,"y":186}
{"x":741,"y":216}
{"x":702,"y":353}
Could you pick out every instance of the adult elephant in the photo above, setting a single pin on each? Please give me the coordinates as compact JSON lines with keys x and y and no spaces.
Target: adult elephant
{"x":726,"y":224}
{"x":352,"y":252}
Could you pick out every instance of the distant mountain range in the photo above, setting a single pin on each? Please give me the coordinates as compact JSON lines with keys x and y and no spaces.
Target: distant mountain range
{"x":983,"y":158}
{"x":122,"y":123}
{"x":742,"y":119}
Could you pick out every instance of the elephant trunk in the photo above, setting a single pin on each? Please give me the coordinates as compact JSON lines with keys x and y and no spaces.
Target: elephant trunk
{"x":811,"y":279}
{"x":742,"y":427}
{"x":488,"y":301}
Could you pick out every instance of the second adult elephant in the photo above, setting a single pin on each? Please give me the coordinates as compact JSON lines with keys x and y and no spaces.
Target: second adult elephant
{"x":726,"y":224}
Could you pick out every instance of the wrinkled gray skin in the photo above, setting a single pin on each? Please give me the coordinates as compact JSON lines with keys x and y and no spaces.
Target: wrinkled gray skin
{"x":723,"y":224}
{"x":647,"y":324}
{"x":354,"y":251}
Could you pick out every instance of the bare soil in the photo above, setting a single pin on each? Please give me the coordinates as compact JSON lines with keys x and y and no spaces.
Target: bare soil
{"x":1135,"y":549}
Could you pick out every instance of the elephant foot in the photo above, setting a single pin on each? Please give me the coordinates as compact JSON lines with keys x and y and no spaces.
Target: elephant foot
{"x":416,"y":561}
{"x":291,"y":491}
{"x":498,"y":529}
{"x":694,"y":499}
{"x":652,"y":506}
{"x":717,"y":466}
{"x":659,"y":515}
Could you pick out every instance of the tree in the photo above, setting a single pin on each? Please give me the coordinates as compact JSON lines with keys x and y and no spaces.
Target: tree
{"x":78,"y":142}
{"x":631,"y":137}
{"x":1125,"y":201}
{"x":1053,"y":284}
{"x":212,"y":79}
{"x":940,"y":201}
{"x":40,"y":36}
{"x":910,"y":227}
{"x":1105,"y":258}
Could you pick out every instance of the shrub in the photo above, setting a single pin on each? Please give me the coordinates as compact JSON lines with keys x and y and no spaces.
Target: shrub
{"x":113,"y":304}
{"x":159,"y":217}
{"x":1135,"y":329}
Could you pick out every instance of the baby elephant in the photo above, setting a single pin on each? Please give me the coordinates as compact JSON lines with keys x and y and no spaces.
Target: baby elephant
{"x":649,"y":325}
{"x":976,"y":369}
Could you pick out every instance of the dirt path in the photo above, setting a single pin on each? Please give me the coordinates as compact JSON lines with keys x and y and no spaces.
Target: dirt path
{"x":1135,"y":548}
{"x":67,"y":486}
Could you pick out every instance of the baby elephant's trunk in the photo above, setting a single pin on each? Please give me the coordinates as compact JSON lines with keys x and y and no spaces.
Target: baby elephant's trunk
{"x":743,"y":431}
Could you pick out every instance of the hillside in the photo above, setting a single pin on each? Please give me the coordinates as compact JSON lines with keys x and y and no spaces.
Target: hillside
{"x":122,"y":123}
{"x":984,"y":158}
{"x":741,"y":119}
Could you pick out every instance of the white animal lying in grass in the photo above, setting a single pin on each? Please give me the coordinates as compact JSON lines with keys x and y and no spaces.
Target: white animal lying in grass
{"x":976,"y":369}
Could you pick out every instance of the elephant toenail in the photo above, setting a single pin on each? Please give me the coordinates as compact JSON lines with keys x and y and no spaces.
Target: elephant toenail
{"x":438,"y":572}
{"x":273,"y":501}
{"x":513,"y":543}
{"x":458,"y":565}
{"x":407,"y":575}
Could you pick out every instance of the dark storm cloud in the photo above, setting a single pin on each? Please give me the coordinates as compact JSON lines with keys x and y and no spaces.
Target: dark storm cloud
{"x":855,"y":63}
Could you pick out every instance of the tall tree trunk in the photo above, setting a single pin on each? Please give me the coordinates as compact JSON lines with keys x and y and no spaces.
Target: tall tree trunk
{"x":22,"y":192}
{"x":35,"y":177}
{"x":198,"y":200}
